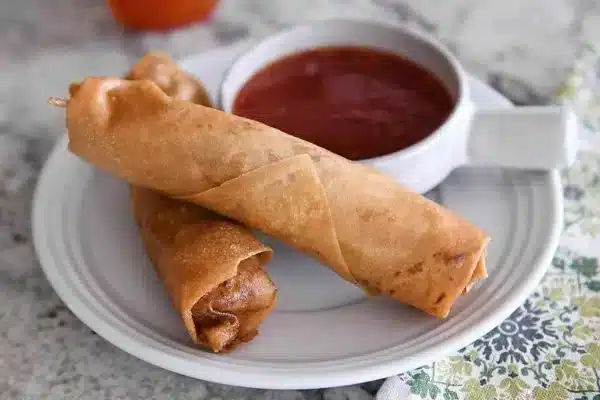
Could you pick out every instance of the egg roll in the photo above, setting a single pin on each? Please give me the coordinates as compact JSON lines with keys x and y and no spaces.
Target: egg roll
{"x":372,"y":231}
{"x":212,"y":267}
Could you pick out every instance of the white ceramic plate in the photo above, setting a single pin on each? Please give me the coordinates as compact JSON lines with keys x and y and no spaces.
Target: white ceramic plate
{"x":324,"y":332}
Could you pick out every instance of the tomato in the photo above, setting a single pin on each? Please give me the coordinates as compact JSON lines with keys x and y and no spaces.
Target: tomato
{"x":160,"y":14}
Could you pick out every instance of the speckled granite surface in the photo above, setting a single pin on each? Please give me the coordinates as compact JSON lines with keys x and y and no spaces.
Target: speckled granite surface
{"x":522,"y":47}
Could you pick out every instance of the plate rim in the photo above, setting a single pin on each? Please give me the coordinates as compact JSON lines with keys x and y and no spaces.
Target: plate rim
{"x":270,"y":379}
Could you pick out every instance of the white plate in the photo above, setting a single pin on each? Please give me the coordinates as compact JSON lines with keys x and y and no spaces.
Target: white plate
{"x":324,"y":332}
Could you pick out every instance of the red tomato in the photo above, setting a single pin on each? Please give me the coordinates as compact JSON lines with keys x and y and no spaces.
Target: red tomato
{"x":160,"y":14}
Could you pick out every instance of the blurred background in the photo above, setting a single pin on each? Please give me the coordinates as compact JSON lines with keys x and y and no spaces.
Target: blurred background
{"x":525,"y":48}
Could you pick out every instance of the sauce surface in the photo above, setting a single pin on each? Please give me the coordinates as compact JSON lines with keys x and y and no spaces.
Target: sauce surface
{"x":357,"y":102}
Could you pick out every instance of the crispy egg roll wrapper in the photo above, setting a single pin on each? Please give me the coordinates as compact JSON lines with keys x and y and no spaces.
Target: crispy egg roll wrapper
{"x":211,"y":267}
{"x":372,"y":231}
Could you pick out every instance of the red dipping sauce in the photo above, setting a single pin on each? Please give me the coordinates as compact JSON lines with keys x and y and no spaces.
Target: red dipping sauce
{"x":357,"y":102}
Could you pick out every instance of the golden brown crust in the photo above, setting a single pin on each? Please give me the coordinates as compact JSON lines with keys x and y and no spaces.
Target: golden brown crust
{"x":211,"y":268}
{"x":373,"y":231}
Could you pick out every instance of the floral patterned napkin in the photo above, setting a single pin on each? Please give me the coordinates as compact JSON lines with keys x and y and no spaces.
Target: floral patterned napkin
{"x":549,"y":348}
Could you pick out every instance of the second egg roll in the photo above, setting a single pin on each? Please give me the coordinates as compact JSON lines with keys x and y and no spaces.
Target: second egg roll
{"x":212,"y":267}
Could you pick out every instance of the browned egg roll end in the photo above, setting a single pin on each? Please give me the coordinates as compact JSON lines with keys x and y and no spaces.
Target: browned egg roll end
{"x":232,"y":312}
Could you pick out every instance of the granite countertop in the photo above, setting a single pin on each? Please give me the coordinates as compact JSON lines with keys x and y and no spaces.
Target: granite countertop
{"x":524,"y":48}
